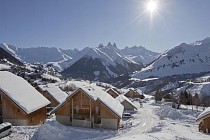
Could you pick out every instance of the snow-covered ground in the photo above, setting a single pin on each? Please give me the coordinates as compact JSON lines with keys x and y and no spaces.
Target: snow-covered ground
{"x":4,"y":67}
{"x":150,"y":122}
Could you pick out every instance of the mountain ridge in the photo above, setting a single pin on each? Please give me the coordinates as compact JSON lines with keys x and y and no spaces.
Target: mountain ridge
{"x":182,"y":59}
{"x":60,"y":58}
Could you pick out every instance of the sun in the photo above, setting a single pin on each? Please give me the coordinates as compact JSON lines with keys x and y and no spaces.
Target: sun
{"x":152,"y":6}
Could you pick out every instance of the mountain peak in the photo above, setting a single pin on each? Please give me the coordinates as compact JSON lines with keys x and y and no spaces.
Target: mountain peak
{"x":111,"y":46}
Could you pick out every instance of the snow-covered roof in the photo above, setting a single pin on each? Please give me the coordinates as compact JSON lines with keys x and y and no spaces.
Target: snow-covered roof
{"x":181,"y":89}
{"x":138,"y":91}
{"x":54,"y":91}
{"x":205,"y":113}
{"x":123,"y":90}
{"x":121,"y":98}
{"x":200,"y":88}
{"x":96,"y":93}
{"x":21,"y":92}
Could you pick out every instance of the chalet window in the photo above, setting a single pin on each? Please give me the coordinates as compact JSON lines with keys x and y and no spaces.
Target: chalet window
{"x":77,"y":109}
{"x":97,"y":110}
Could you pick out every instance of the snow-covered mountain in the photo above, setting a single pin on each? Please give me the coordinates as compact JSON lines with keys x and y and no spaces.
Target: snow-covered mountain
{"x":5,"y":56}
{"x":101,"y":63}
{"x":183,"y":59}
{"x":39,"y":54}
{"x":140,"y":54}
{"x":61,"y":58}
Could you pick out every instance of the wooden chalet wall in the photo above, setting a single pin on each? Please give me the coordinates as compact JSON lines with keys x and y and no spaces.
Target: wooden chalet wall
{"x":205,"y":125}
{"x":86,"y":109}
{"x":13,"y":114}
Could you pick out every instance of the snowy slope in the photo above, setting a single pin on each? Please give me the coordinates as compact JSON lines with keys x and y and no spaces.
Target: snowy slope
{"x":109,"y":54}
{"x":182,"y":59}
{"x":54,"y":56}
{"x":8,"y":58}
{"x":140,"y":54}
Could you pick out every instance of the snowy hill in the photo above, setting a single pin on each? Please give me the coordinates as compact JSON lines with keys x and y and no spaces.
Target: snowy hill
{"x":183,"y":59}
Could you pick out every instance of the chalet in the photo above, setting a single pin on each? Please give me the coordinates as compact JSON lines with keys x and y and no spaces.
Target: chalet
{"x":90,"y":107}
{"x":168,"y":97}
{"x":134,"y":93}
{"x":20,"y":103}
{"x":204,"y":121}
{"x":112,"y":92}
{"x":128,"y":105}
{"x":53,"y":93}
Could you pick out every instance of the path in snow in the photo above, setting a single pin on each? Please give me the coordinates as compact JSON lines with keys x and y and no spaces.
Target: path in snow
{"x":147,"y":121}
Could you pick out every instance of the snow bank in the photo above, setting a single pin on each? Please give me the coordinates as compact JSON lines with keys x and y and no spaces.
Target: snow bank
{"x":52,"y":130}
{"x":4,"y":67}
{"x":177,"y":114}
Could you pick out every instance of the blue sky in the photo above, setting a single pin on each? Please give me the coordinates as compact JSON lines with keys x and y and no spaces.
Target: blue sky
{"x":72,"y":24}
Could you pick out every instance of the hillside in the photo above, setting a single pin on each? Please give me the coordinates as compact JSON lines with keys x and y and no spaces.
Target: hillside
{"x":183,"y":59}
{"x":5,"y":55}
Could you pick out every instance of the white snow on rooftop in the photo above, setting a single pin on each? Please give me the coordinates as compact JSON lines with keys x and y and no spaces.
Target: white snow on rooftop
{"x":206,"y":112}
{"x":21,"y":92}
{"x":97,"y":93}
{"x":55,"y":91}
{"x":121,"y":98}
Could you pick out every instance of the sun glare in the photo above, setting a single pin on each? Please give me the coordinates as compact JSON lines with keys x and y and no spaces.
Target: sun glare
{"x":152,"y":6}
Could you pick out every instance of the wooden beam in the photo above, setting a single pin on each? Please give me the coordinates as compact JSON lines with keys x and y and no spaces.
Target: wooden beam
{"x":81,"y":99}
{"x":72,"y":109}
{"x":90,"y":109}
